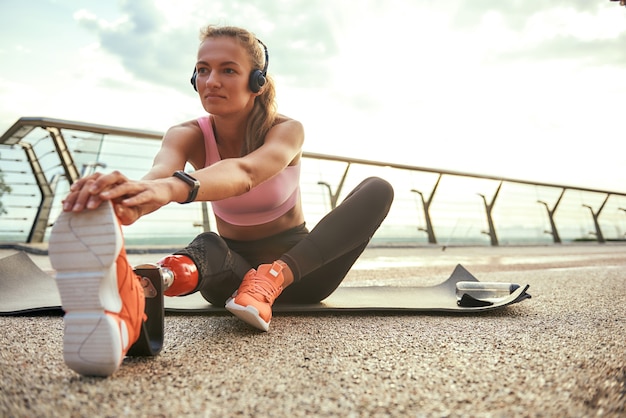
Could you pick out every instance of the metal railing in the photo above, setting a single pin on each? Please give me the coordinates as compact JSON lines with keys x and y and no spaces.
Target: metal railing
{"x":41,"y":157}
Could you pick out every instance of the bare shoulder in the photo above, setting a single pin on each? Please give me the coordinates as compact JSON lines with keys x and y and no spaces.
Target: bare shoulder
{"x":287,"y":126}
{"x":186,"y":129}
{"x":286,"y":138}
{"x":186,"y":140}
{"x":282,"y":119}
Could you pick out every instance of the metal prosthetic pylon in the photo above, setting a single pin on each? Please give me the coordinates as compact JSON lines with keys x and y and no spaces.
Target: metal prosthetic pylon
{"x":150,"y":341}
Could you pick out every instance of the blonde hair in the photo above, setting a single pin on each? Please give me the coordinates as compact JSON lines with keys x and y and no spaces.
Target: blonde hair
{"x":263,"y":115}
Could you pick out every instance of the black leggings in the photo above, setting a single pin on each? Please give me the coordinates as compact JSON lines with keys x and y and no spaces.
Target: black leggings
{"x":319,"y":259}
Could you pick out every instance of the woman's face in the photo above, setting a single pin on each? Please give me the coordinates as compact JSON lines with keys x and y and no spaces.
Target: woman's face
{"x":223,"y":72}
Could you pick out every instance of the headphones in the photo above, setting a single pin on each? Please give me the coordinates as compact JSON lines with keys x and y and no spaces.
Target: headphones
{"x":257,"y":77}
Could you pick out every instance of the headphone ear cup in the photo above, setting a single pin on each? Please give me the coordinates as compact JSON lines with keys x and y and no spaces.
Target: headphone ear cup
{"x":193,"y":79}
{"x":257,"y":80}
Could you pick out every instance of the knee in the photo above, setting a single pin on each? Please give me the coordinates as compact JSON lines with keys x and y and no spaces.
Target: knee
{"x":208,"y":240}
{"x":207,"y":250}
{"x":380,"y":190}
{"x":384,"y":188}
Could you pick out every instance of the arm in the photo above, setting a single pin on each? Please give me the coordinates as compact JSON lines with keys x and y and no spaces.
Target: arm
{"x":227,"y":178}
{"x":180,"y":144}
{"x":235,"y":176}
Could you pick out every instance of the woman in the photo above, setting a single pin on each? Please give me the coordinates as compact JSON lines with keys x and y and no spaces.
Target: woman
{"x":247,"y":161}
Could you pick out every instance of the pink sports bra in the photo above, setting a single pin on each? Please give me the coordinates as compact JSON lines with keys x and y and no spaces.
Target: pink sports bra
{"x":265,"y":202}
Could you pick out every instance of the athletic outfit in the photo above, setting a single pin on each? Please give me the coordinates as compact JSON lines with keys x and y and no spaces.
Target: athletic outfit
{"x":319,"y":259}
{"x":104,"y":298}
{"x":264,"y":203}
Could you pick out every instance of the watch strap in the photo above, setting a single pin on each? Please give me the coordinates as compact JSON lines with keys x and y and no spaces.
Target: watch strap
{"x":193,"y":184}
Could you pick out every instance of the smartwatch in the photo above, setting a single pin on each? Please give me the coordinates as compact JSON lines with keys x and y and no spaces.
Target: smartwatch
{"x":191,"y":182}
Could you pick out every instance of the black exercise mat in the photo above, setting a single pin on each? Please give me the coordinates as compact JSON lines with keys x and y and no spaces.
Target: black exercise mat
{"x":25,"y":288}
{"x":438,"y":298}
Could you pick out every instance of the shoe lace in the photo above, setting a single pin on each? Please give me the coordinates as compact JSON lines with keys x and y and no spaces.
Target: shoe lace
{"x":257,"y":285}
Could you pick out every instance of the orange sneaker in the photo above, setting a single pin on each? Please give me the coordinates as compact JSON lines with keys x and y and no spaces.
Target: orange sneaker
{"x":102,"y":297}
{"x":252,"y":303}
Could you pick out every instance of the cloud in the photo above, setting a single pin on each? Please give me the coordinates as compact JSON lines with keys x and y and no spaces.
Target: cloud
{"x":549,"y":30}
{"x":570,"y":48}
{"x":137,"y":39}
{"x":305,"y":37}
{"x":303,"y":40}
{"x":298,"y":34}
{"x":516,"y":12}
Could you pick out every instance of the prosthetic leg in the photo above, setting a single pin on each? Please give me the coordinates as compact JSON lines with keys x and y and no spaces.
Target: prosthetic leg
{"x":157,"y":280}
{"x":150,"y":341}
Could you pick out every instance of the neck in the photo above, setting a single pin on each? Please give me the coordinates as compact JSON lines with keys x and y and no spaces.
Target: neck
{"x":230,"y":129}
{"x":229,"y":135}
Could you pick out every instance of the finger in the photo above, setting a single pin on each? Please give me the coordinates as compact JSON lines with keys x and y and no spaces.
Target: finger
{"x":121,"y":190}
{"x":144,"y":196}
{"x":147,"y":192}
{"x":107,"y":181}
{"x":78,"y":190}
{"x":69,"y":201}
{"x":93,"y":202}
{"x":80,"y":183}
{"x":81,"y":197}
{"x":149,"y":197}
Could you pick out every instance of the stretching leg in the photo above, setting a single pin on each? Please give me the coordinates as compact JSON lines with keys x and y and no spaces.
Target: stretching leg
{"x":321,"y":260}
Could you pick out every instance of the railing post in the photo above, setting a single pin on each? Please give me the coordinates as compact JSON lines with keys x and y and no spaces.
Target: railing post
{"x":489,"y":210}
{"x":595,"y":216}
{"x":71,"y":172}
{"x":90,"y":168}
{"x":432,"y":239}
{"x":40,"y":223}
{"x":335,"y":196}
{"x":206,"y":224}
{"x":553,"y":230}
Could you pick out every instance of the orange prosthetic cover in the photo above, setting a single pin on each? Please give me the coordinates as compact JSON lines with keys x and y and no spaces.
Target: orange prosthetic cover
{"x":185,"y":274}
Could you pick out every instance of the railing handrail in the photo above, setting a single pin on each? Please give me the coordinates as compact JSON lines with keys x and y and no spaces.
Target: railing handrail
{"x":21,"y":132}
{"x":455,"y":173}
{"x":16,"y":132}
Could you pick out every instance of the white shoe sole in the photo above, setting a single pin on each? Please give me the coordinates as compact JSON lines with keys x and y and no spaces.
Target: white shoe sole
{"x":248,"y":314}
{"x":83,"y":249}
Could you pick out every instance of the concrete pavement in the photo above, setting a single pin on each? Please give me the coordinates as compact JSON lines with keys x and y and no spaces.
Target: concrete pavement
{"x":561,"y":353}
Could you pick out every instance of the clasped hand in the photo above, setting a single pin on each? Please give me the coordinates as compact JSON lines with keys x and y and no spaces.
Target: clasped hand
{"x":131,"y":199}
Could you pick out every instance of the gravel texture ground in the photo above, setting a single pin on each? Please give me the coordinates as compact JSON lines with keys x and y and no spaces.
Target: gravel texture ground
{"x":560,"y":354}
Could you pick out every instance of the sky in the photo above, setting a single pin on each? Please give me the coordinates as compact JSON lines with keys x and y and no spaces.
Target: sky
{"x":523,"y":89}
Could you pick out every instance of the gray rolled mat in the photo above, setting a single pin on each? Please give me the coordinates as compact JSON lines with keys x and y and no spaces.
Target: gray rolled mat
{"x":24,"y":287}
